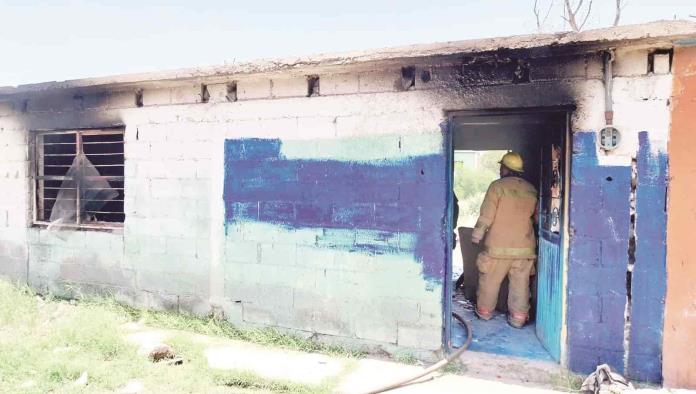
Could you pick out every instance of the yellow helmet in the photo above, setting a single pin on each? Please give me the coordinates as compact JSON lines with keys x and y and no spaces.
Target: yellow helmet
{"x":513,"y":161}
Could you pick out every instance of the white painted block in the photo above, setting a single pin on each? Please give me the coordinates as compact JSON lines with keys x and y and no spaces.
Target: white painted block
{"x":316,"y":127}
{"x":262,"y":128}
{"x":181,"y":246}
{"x":203,"y":168}
{"x":136,"y":150}
{"x":194,"y":188}
{"x":289,"y":87}
{"x":11,"y":136}
{"x":396,"y":123}
{"x":661,"y":63}
{"x":333,"y":84}
{"x":14,"y":170}
{"x":180,"y":169}
{"x":634,"y":89}
{"x":164,"y":188}
{"x":186,"y":94}
{"x":218,"y":93}
{"x":15,"y":153}
{"x":629,"y":62}
{"x":379,"y":81}
{"x":201,"y":150}
{"x":157,"y":97}
{"x":253,"y":89}
{"x":152,"y":169}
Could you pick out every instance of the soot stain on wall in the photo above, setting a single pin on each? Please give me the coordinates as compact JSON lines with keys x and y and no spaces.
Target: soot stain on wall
{"x":389,"y":206}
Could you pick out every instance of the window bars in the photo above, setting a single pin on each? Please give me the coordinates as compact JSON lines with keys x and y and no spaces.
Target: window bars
{"x":79,"y":178}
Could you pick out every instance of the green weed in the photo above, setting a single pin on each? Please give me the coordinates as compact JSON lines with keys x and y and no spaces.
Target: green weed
{"x":46,"y":344}
{"x":567,"y":381}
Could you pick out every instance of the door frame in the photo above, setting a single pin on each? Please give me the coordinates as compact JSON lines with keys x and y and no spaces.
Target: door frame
{"x":565,"y":235}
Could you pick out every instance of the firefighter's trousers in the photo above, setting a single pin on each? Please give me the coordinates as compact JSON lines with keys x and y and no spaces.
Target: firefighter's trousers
{"x":492,"y":272}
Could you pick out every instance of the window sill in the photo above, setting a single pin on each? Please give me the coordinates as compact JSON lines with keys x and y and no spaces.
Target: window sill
{"x":99,"y":226}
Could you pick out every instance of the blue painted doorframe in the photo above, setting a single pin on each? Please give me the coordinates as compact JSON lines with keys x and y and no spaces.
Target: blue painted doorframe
{"x":552,"y":245}
{"x":550,"y":293}
{"x":447,"y":132}
{"x":551,"y":253}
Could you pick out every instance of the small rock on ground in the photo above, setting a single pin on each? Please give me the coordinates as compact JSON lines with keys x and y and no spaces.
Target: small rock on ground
{"x":161,"y":351}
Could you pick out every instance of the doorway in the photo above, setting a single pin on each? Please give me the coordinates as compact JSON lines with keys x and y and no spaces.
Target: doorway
{"x":478,"y":141}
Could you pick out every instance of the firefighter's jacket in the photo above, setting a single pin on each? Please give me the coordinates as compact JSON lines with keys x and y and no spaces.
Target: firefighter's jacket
{"x":506,"y":219}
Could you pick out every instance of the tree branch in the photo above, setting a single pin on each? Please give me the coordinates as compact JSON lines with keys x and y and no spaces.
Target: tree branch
{"x":548,"y":12}
{"x":540,"y":22}
{"x":570,"y":16}
{"x":619,"y":7}
{"x":589,"y":10}
{"x":536,"y":13}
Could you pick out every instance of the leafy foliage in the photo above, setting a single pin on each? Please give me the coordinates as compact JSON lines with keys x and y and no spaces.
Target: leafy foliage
{"x":470,"y":185}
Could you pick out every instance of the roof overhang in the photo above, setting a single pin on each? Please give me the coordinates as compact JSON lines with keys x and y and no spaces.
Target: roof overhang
{"x":661,"y":33}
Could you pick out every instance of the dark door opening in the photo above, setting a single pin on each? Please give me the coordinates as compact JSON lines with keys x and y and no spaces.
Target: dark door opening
{"x":479,"y":139}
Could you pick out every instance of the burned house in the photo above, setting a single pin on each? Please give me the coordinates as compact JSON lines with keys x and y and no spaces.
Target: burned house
{"x":315,"y":195}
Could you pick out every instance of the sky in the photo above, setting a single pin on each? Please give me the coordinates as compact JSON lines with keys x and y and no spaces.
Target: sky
{"x":58,"y":40}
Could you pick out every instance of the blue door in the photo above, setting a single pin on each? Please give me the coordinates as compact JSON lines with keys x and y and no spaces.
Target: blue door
{"x":549,"y":307}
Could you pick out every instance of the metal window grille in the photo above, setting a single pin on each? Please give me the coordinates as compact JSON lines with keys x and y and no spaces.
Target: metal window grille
{"x":79,"y":178}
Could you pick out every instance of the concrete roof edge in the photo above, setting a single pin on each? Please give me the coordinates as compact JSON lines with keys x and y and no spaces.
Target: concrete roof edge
{"x":660,"y":30}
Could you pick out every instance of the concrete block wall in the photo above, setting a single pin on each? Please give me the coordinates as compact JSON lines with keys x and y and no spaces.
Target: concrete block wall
{"x":14,"y":202}
{"x":345,"y":271}
{"x":648,"y":284}
{"x":598,"y":260}
{"x":70,"y":263}
{"x":605,"y":323}
{"x":357,"y":235}
{"x":167,"y":230}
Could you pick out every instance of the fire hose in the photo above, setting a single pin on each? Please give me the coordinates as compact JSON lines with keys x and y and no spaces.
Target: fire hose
{"x":440,"y":364}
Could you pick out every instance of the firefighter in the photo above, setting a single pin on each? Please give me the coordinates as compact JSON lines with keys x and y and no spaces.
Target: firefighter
{"x":506,"y":220}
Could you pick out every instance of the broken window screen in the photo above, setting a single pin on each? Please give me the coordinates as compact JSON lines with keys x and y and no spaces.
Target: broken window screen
{"x":80,"y":178}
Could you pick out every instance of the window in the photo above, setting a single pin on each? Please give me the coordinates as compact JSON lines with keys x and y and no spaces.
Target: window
{"x":79,"y":178}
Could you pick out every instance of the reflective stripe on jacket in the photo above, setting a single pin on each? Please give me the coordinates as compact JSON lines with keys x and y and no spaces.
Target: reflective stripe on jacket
{"x":506,"y":219}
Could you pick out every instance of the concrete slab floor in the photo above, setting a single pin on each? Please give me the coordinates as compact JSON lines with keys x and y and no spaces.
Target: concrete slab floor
{"x":496,"y":336}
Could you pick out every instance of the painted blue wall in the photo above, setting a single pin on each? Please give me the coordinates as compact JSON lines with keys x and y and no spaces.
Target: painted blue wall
{"x":649,"y":273}
{"x":395,"y":205}
{"x":599,"y":254}
{"x":598,"y":258}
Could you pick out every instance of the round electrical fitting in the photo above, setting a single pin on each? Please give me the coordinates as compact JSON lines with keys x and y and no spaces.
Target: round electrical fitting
{"x":609,"y":138}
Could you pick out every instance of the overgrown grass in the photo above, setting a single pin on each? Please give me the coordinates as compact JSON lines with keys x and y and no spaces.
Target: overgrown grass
{"x":406,"y":358}
{"x":250,"y":381}
{"x":220,"y":328}
{"x":46,"y":344}
{"x":454,"y":368}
